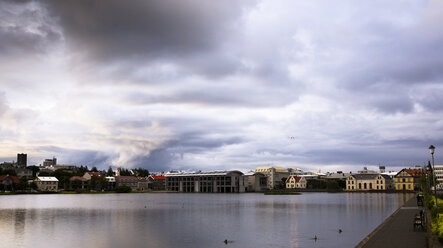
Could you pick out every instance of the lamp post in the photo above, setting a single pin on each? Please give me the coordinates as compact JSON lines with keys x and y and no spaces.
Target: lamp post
{"x":431,"y":150}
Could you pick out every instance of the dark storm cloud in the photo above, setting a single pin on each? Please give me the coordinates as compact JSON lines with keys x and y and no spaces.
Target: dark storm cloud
{"x":113,"y":31}
{"x":158,"y":160}
{"x":77,"y":157}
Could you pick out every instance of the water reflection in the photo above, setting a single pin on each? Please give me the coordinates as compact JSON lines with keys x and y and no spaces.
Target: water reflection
{"x":193,"y":220}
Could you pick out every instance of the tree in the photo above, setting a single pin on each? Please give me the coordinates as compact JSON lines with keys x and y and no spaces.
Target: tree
{"x":10,"y":172}
{"x":34,"y":169}
{"x":94,"y":169}
{"x":23,"y":184}
{"x":110,"y":173}
{"x":123,"y":189}
{"x":141,"y":172}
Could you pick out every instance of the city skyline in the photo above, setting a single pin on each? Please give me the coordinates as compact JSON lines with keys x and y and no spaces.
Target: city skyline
{"x":189,"y":85}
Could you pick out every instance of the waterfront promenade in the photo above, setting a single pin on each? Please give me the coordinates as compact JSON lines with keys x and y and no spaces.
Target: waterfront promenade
{"x":397,"y":230}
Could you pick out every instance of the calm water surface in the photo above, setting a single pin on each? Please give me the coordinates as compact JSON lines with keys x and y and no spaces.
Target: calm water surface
{"x":192,"y":220}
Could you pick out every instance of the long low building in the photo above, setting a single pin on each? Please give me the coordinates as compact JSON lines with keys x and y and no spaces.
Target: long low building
{"x":207,"y":182}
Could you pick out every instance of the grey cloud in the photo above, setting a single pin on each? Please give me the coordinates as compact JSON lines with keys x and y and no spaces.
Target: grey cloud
{"x":25,"y":29}
{"x":110,"y":31}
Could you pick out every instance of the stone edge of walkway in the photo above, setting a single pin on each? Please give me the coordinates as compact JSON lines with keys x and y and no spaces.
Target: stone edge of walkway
{"x":370,"y":235}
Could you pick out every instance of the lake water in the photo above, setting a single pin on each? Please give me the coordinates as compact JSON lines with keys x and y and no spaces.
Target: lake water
{"x":192,"y":220}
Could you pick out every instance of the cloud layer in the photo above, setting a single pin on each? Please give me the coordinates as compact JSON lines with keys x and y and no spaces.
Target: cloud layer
{"x":221,"y":85}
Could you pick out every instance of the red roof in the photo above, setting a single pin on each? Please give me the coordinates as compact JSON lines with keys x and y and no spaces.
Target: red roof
{"x":78,"y":178}
{"x":414,"y":172}
{"x":96,"y":174}
{"x":129,"y":177}
{"x":14,"y":178}
{"x":158,"y":177}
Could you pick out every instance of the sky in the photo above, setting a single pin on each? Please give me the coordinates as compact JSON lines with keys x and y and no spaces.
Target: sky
{"x":215,"y":85}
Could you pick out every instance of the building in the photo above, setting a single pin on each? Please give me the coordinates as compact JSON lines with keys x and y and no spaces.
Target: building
{"x":157,"y":182}
{"x":207,"y":182}
{"x":89,"y":175}
{"x":408,"y":179}
{"x":47,"y":183}
{"x":275,"y":175}
{"x":296,"y":182}
{"x":129,"y":181}
{"x":50,"y":162}
{"x":110,"y":183}
{"x":77,"y":182}
{"x":22,"y":160}
{"x":339,"y":175}
{"x":143,"y":183}
{"x":23,"y":172}
{"x":438,"y":171}
{"x":7,"y":183}
{"x":257,"y":182}
{"x":367,"y":182}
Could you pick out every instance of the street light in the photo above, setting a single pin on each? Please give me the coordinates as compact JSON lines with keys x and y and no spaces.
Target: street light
{"x":431,"y":150}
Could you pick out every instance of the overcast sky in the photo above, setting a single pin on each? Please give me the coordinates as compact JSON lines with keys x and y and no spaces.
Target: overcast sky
{"x":206,"y":85}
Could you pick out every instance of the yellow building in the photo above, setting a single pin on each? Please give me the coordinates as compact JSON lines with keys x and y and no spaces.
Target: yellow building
{"x":295,"y":182}
{"x":274,"y":174}
{"x":367,"y":182}
{"x":47,"y":183}
{"x":408,"y":179}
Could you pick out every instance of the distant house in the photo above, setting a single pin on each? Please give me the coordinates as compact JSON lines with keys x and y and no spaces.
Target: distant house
{"x":408,"y":179}
{"x":89,"y":175}
{"x":368,"y":182}
{"x":77,"y":182}
{"x":296,"y":182}
{"x":7,"y":183}
{"x":47,"y":183}
{"x":143,"y":183}
{"x":157,"y":182}
{"x":129,"y":181}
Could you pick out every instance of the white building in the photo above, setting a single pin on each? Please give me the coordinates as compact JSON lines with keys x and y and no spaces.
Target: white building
{"x":439,"y":175}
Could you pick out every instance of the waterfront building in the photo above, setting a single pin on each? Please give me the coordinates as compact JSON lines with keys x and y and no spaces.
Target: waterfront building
{"x":408,"y":179}
{"x":111,"y":183}
{"x":77,"y":182}
{"x":367,"y":182}
{"x":209,"y":182}
{"x":157,"y":182}
{"x":7,"y":183}
{"x":129,"y":181}
{"x":22,"y":160}
{"x":256,"y":182}
{"x":275,"y":175}
{"x":47,"y":183}
{"x":296,"y":182}
{"x":143,"y":183}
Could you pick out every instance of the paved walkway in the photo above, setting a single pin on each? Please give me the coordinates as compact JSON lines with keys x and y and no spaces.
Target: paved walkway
{"x":397,"y":230}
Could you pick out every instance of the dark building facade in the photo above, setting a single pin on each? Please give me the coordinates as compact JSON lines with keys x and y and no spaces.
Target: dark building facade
{"x":22,"y":159}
